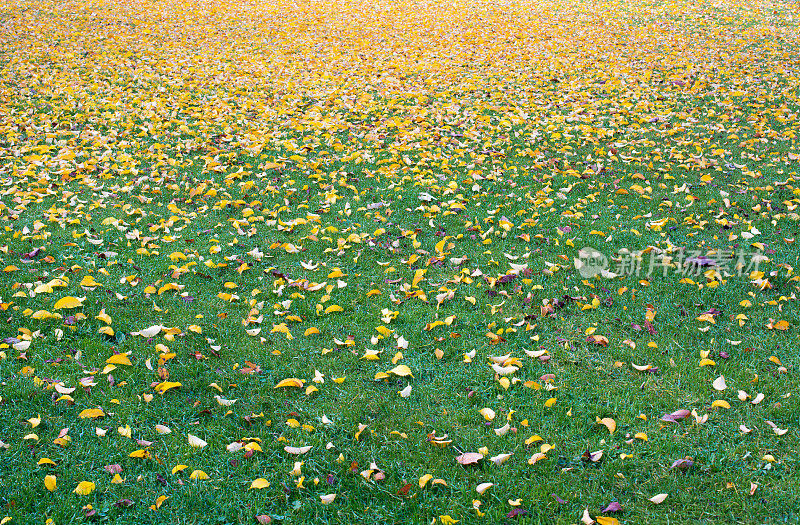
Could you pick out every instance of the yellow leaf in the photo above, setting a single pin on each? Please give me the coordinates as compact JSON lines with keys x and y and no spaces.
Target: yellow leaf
{"x":418,"y":277}
{"x":179,"y":468}
{"x":84,"y":488}
{"x":67,"y":303}
{"x":533,"y":439}
{"x":609,"y":423}
{"x":166,"y":385}
{"x":333,"y":308}
{"x":401,"y":370}
{"x":103,"y":316}
{"x":550,"y":402}
{"x":89,"y":282}
{"x":781,"y":325}
{"x":255,"y":447}
{"x":198,"y":475}
{"x":119,"y":359}
{"x":291,"y":382}
{"x":259,"y":483}
{"x":91,"y":413}
{"x":607,"y":520}
{"x":50,"y":483}
{"x":41,"y":315}
{"x":424,"y":480}
{"x":720,"y":403}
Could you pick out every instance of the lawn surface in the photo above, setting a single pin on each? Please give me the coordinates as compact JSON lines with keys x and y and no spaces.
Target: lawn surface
{"x":399,"y":261}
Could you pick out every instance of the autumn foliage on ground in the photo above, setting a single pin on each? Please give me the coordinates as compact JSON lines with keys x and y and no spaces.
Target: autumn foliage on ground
{"x":337,"y":261}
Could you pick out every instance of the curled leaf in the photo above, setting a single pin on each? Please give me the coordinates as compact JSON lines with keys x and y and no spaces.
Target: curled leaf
{"x":609,"y":423}
{"x":483,"y":487}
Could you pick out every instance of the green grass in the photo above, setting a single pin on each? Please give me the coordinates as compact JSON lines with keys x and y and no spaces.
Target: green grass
{"x":517,"y":148}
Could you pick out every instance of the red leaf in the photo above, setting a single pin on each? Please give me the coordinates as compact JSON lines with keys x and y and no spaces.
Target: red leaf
{"x":404,"y":490}
{"x":675,"y":416}
{"x":113,"y":469}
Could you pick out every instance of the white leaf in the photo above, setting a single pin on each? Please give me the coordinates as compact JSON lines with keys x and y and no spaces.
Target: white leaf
{"x":297,"y":450}
{"x":150,"y":332}
{"x":502,"y":431}
{"x":659,"y":498}
{"x":500,"y":459}
{"x":196,"y":441}
{"x":483,"y":487}
{"x":225,"y":402}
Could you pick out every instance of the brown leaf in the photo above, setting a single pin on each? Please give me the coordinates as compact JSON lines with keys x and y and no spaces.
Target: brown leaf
{"x":469,"y":458}
{"x":250,"y":368}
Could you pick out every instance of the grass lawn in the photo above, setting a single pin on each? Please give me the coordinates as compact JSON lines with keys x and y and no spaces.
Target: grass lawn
{"x":399,"y":261}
